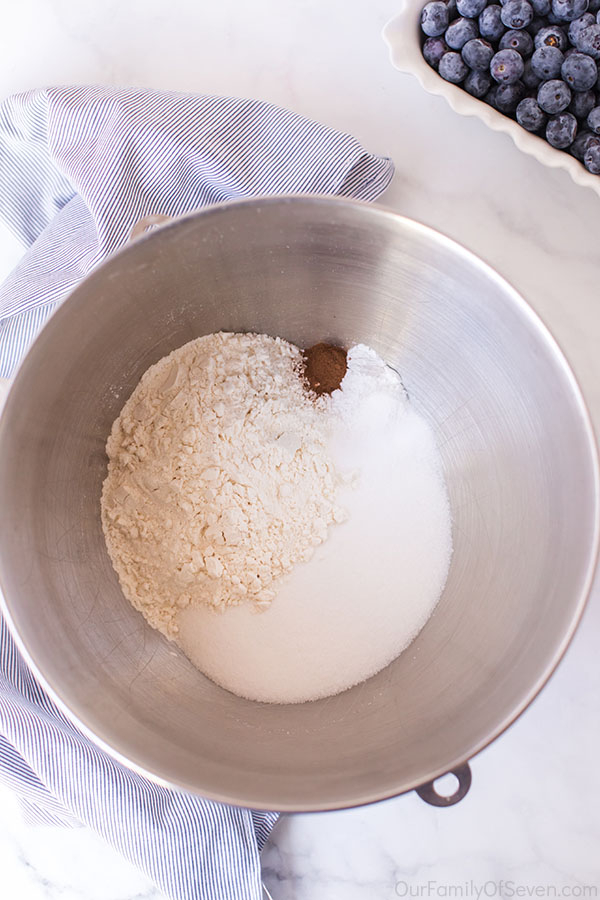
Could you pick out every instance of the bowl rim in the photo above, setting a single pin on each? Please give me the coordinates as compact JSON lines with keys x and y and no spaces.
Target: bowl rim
{"x":361,"y":798}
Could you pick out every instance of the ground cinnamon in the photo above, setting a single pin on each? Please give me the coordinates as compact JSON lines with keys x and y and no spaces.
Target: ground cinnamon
{"x":324,"y":367}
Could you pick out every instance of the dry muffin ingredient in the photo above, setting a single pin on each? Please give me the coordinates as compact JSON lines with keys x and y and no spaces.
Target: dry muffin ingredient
{"x":324,"y":367}
{"x":219,"y":479}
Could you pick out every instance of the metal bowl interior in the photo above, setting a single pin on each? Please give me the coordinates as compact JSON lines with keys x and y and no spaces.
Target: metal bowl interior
{"x":520,"y":464}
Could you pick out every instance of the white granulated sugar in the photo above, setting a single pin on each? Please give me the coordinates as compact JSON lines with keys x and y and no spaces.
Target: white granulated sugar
{"x":220,"y":479}
{"x":369,"y":589}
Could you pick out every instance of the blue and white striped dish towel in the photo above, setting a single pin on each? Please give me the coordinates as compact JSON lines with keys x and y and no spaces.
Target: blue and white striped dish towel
{"x":79,"y":166}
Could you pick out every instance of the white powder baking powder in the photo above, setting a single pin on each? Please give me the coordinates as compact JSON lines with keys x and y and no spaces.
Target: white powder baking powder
{"x":219,"y":478}
{"x":369,"y":589}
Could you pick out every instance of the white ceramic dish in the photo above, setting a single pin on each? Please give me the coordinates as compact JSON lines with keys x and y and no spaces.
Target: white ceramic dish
{"x":403,"y":37}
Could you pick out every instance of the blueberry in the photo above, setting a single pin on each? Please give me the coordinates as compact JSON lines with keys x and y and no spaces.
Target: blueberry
{"x":582,"y":103}
{"x":536,"y":24}
{"x":593,"y":120}
{"x":433,"y":50}
{"x":553,"y":96}
{"x":541,"y":7}
{"x":591,"y":158}
{"x":594,"y":6}
{"x":561,"y":130}
{"x":506,"y":66}
{"x":589,"y":41}
{"x":517,"y":13}
{"x":452,"y":68}
{"x":490,"y":23}
{"x":529,"y":115}
{"x":490,"y":97}
{"x":581,"y":143}
{"x":598,"y":17}
{"x":579,"y":71}
{"x":521,"y":41}
{"x":470,"y":8}
{"x":508,"y":96}
{"x":567,"y":10}
{"x":459,"y":32}
{"x":452,"y":13}
{"x":477,"y":84}
{"x":434,"y":18}
{"x":551,"y":36}
{"x":546,"y":62}
{"x":529,"y":78}
{"x":577,"y":26}
{"x":478,"y":54}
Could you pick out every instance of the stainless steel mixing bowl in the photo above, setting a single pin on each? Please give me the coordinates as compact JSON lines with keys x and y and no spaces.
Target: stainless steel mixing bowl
{"x":519,"y":459}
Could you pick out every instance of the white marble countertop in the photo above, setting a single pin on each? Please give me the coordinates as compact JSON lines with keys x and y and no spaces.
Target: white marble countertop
{"x":532,"y":818}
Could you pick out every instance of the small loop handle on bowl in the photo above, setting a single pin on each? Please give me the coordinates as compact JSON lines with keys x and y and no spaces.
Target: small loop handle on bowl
{"x":428,"y":793}
{"x":148,"y":223}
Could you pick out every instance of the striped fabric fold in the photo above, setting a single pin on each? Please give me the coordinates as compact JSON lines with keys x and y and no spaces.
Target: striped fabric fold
{"x":79,"y":166}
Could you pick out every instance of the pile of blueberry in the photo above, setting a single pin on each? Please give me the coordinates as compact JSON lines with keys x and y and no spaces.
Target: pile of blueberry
{"x":533,"y":60}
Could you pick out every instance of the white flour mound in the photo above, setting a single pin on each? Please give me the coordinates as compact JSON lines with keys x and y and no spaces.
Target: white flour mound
{"x":369,"y":589}
{"x":220,"y":479}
